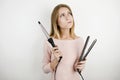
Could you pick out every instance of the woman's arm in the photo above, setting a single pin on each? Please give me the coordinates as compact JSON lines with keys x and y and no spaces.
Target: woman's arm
{"x":48,"y":65}
{"x":47,"y":58}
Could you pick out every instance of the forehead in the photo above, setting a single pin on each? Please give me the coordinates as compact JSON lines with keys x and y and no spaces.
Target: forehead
{"x":63,"y":10}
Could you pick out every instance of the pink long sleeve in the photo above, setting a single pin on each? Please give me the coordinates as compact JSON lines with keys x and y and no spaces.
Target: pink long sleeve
{"x":71,"y":50}
{"x":47,"y":58}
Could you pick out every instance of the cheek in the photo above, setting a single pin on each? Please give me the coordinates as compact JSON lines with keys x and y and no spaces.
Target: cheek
{"x":71,"y":18}
{"x":61,"y":22}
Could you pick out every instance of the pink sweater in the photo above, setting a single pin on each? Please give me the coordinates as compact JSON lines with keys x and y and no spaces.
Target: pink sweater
{"x":71,"y":50}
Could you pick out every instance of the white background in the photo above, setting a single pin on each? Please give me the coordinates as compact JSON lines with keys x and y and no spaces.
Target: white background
{"x":21,"y":38}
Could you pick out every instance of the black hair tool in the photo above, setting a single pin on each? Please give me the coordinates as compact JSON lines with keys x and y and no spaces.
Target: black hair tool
{"x":50,"y":40}
{"x":82,"y":57}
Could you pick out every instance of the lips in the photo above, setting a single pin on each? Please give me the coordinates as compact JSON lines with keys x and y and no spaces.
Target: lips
{"x":69,"y":22}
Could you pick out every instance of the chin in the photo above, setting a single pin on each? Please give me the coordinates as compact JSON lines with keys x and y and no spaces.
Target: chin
{"x":70,"y":26}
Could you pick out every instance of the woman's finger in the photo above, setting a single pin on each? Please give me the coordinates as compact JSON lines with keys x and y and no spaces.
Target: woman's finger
{"x":81,"y":62}
{"x":79,"y":68}
{"x":55,"y":48}
{"x":57,"y":51}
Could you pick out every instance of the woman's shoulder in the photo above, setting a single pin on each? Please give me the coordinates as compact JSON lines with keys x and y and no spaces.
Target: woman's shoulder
{"x":78,"y":37}
{"x":79,"y":41}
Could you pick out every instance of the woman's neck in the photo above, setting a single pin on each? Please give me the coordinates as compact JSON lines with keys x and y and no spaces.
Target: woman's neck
{"x":65,"y":34}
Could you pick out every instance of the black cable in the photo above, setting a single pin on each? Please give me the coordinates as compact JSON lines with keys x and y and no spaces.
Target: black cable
{"x":81,"y":76}
{"x":56,"y":68}
{"x":55,"y":71}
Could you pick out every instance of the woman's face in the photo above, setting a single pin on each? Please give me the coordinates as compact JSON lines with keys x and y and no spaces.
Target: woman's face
{"x":65,"y":18}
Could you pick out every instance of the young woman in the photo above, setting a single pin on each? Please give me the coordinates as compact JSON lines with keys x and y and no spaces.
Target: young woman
{"x":68,"y":45}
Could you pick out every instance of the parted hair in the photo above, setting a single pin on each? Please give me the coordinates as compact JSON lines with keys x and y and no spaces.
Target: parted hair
{"x":55,"y":29}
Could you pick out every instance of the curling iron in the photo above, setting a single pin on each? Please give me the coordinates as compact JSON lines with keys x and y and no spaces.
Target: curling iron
{"x":50,"y":40}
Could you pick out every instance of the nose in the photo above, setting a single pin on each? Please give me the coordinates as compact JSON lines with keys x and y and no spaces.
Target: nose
{"x":67,"y":17}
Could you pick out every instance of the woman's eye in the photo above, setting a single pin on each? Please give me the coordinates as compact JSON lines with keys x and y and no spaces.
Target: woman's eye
{"x":70,"y":13}
{"x":62,"y":15}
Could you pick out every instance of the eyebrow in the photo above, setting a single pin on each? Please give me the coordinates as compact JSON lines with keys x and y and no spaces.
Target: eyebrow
{"x":64,"y":12}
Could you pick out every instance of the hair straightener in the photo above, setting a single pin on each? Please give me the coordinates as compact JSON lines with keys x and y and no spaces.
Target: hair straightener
{"x":50,"y":40}
{"x":83,"y":56}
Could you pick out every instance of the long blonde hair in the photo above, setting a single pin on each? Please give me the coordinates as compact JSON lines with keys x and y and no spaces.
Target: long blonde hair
{"x":55,"y":29}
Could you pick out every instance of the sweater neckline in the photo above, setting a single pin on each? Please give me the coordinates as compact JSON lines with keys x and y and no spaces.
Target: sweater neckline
{"x":66,"y":39}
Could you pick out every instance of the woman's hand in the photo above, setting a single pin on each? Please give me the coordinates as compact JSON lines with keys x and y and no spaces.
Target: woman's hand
{"x":57,"y":54}
{"x":79,"y":65}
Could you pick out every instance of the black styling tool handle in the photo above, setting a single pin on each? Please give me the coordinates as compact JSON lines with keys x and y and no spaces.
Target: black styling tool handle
{"x":53,"y":45}
{"x":51,"y":42}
